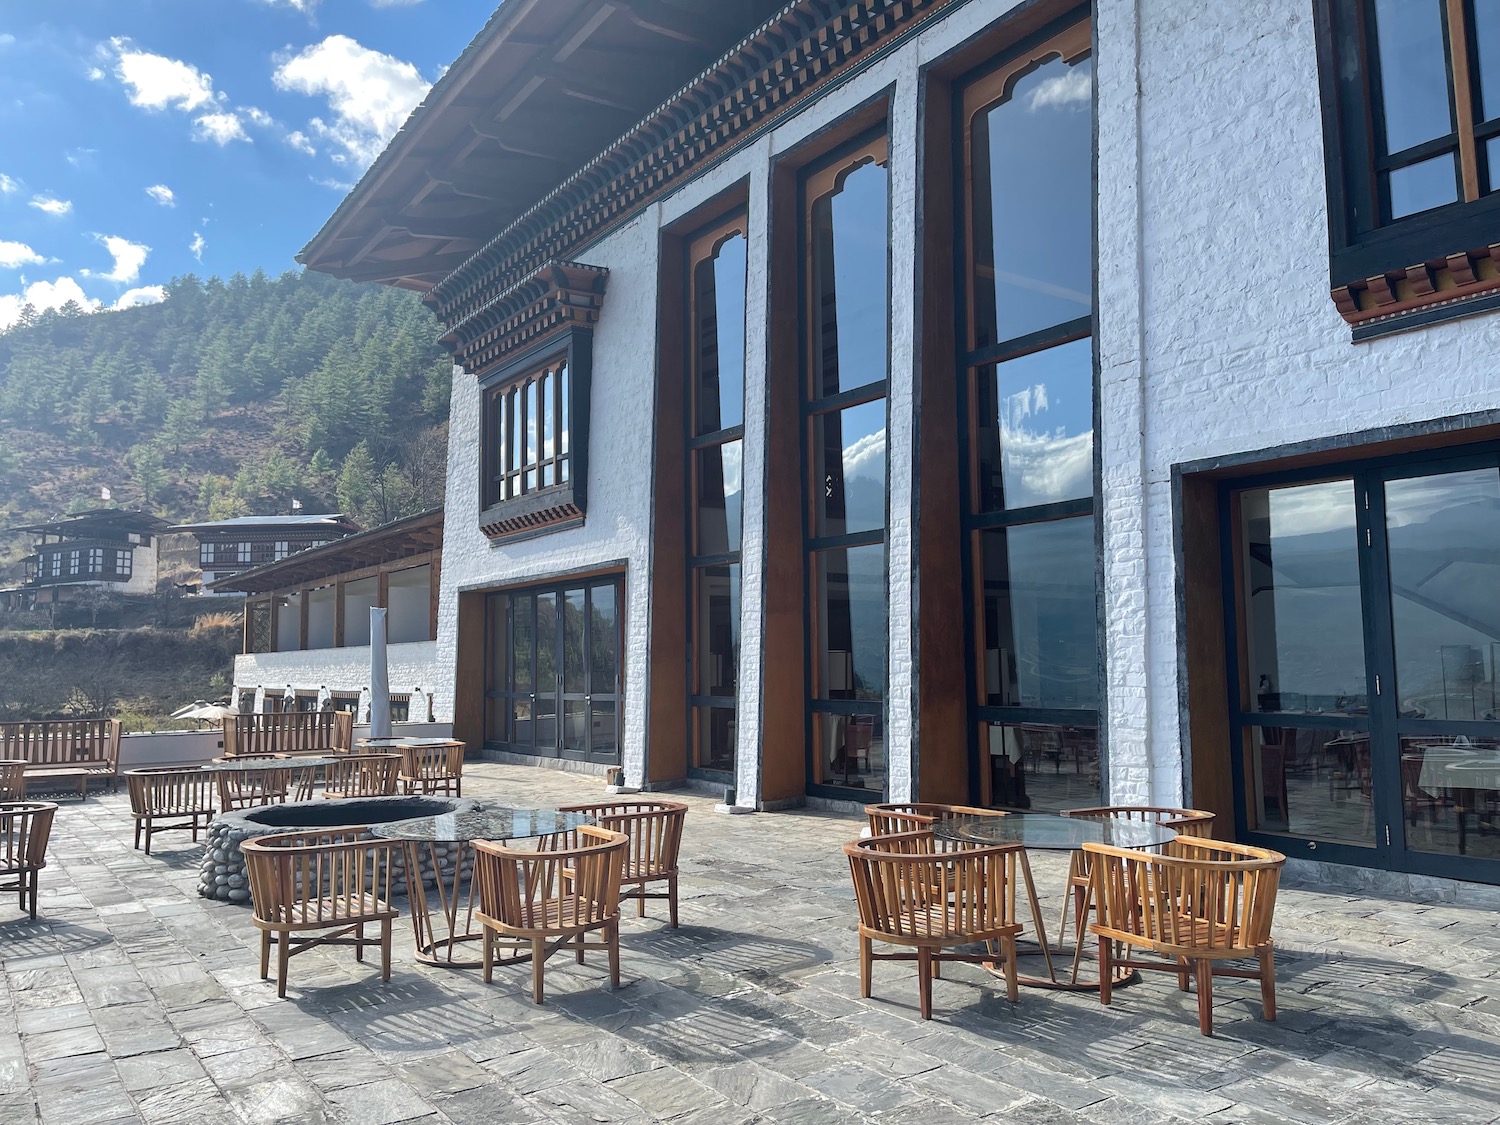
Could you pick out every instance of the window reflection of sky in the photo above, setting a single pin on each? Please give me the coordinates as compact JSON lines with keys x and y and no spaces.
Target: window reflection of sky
{"x":1041,"y":143}
{"x":860,"y":268}
{"x":1046,"y":419}
{"x":729,"y":294}
{"x":1413,"y":72}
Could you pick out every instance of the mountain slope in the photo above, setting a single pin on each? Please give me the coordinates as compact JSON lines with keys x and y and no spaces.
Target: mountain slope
{"x":227,"y":398}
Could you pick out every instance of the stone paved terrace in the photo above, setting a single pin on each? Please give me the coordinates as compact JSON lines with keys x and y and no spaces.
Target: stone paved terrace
{"x":131,"y":999}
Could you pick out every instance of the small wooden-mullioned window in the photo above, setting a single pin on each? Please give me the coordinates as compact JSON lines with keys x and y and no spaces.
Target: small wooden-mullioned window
{"x":1411,"y":93}
{"x":533,"y":474}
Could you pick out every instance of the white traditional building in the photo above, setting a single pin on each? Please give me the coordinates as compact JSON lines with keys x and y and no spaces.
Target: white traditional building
{"x":1022,"y":403}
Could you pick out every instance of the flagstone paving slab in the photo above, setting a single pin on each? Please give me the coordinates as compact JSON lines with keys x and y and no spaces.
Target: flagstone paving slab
{"x":131,"y":999}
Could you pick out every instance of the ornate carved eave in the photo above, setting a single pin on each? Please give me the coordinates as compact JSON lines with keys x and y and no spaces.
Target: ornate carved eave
{"x":761,"y":81}
{"x":1424,"y":286}
{"x":557,"y":297}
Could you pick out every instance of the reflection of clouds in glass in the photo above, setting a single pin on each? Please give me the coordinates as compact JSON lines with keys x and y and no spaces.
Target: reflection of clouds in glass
{"x":734,"y":465}
{"x":1073,"y":90}
{"x":866,"y":457}
{"x":1042,"y":468}
{"x":1311,"y":508}
{"x":1421,"y":499}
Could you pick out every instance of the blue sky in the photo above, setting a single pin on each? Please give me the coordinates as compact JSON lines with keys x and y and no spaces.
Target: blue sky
{"x":144,"y":139}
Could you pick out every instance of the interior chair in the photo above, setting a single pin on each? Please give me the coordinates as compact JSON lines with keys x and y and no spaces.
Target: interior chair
{"x":181,"y":795}
{"x":1198,"y":903}
{"x":12,"y":779}
{"x":25,"y":828}
{"x":655,"y":832}
{"x":434,"y":769}
{"x":538,"y":901}
{"x":362,"y":775}
{"x":1077,"y":900}
{"x":324,"y":888}
{"x":931,"y":902}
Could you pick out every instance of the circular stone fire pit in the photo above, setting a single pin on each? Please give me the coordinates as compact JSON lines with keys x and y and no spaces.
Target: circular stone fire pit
{"x":222,"y":874}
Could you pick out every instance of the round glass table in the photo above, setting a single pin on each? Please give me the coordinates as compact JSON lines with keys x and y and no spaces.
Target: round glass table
{"x":250,"y":765}
{"x":1051,"y":833}
{"x":438,"y":834}
{"x":251,"y":781}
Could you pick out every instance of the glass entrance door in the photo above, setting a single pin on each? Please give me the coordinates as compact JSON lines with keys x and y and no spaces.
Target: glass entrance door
{"x":554,"y":671}
{"x":1367,"y":635}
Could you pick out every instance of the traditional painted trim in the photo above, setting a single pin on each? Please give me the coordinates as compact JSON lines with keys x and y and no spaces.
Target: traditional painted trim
{"x":1426,"y":285}
{"x":763,"y":80}
{"x":557,"y":297}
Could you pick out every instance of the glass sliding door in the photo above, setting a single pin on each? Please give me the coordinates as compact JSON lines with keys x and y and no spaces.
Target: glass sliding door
{"x":716,"y":386}
{"x":1028,"y":365}
{"x":1367,"y":635}
{"x":846,"y":328}
{"x":553,"y":671}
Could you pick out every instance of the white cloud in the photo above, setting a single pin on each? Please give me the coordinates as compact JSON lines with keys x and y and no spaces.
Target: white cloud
{"x":42,"y":295}
{"x":1075,"y":89}
{"x":129,"y":258}
{"x":307,"y":7}
{"x":51,"y":205}
{"x":14,"y":255}
{"x":370,"y":93}
{"x":94,"y":74}
{"x":8,"y":185}
{"x":81,"y":157}
{"x":257,"y":116}
{"x":157,"y":82}
{"x":145,"y":295}
{"x":162,"y":194}
{"x":221,"y":128}
{"x":298,"y":140}
{"x":195,"y":248}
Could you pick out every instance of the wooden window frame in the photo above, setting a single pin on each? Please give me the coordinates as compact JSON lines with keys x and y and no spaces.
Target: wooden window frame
{"x":818,"y":179}
{"x":1381,"y":267}
{"x":1070,"y":39}
{"x":702,"y":247}
{"x":542,"y":509}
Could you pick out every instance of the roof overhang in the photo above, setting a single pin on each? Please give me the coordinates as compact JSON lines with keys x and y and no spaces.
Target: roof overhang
{"x":414,"y":536}
{"x":542,"y":89}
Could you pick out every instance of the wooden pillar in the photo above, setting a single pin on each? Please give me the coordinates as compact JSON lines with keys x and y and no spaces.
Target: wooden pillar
{"x":247,"y":631}
{"x":941,"y":739}
{"x":783,"y":685}
{"x":304,"y":602}
{"x":338,"y":613}
{"x":667,"y":710}
{"x":434,"y":588}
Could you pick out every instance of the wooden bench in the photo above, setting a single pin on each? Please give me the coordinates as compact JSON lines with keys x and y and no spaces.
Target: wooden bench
{"x":65,"y":748}
{"x":291,"y":732}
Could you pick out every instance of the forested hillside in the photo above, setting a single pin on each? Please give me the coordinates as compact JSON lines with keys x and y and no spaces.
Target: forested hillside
{"x":228,"y":398}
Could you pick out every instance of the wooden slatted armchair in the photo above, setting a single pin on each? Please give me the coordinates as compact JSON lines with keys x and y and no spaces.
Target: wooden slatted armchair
{"x":25,"y":828}
{"x":910,"y":895}
{"x":433,"y":769}
{"x":889,"y":819}
{"x":363,"y":775}
{"x":1203,"y":902}
{"x":12,"y":779}
{"x":540,"y":901}
{"x":289,"y":732}
{"x":182,"y":795}
{"x":251,"y":789}
{"x":1185,"y":822}
{"x":325,"y":887}
{"x":655,"y":831}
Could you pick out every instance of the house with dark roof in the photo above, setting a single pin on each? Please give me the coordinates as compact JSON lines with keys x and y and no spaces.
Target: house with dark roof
{"x":229,"y":547}
{"x":106,"y":549}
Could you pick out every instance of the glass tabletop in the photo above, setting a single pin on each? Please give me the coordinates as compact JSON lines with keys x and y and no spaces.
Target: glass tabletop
{"x":248,"y":765}
{"x":482,"y":824}
{"x":1047,"y":832}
